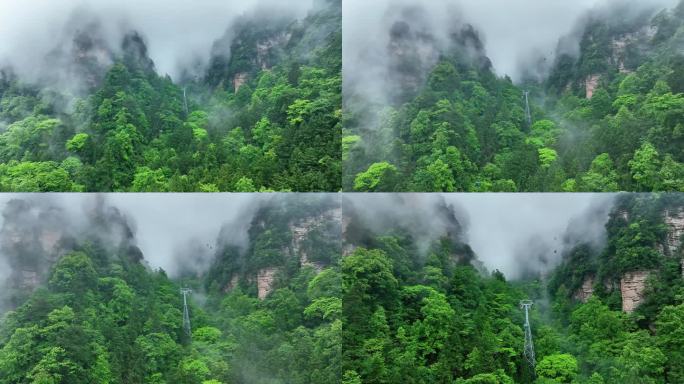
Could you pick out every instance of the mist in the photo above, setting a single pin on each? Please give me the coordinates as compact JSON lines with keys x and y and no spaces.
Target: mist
{"x":519,"y":234}
{"x":427,"y":217}
{"x":516,"y":34}
{"x":178,"y":34}
{"x":174,"y":232}
{"x":528,"y":234}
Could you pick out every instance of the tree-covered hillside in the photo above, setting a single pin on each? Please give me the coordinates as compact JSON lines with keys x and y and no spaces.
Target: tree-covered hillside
{"x":413,"y":314}
{"x":264,"y":114}
{"x":607,"y":118}
{"x":87,"y":309}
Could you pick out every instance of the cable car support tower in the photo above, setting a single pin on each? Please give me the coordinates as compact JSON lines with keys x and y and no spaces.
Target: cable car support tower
{"x":529,"y":345}
{"x":528,"y":113}
{"x":186,"y":313}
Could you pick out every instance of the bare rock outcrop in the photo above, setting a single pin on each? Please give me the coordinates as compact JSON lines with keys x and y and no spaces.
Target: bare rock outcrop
{"x":632,"y":287}
{"x":301,"y":230}
{"x":621,"y":43}
{"x":231,"y":284}
{"x":264,"y":48}
{"x":591,"y":83}
{"x":675,"y":224}
{"x":239,"y":80}
{"x":586,"y":290}
{"x":265,"y":279}
{"x":619,"y":48}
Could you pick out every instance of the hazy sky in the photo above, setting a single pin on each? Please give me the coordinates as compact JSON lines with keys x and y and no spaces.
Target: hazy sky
{"x":165,"y":223}
{"x":511,"y":232}
{"x":177,"y":31}
{"x":514,"y":233}
{"x":514,"y":31}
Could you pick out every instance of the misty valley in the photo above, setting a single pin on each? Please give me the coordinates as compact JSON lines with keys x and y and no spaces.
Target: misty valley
{"x":89,"y":303}
{"x":505,"y":96}
{"x":104,"y":107}
{"x":427,"y":298}
{"x":324,"y":288}
{"x":332,"y":143}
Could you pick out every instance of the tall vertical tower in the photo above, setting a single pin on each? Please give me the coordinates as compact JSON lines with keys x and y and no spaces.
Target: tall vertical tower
{"x":529,"y":345}
{"x":185,"y":102}
{"x":186,"y":313}
{"x":528,"y":113}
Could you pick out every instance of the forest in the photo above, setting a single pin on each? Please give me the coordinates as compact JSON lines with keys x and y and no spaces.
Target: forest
{"x":326,"y":289}
{"x":605,"y":118}
{"x":263,"y":117}
{"x":86,"y":307}
{"x":432,"y":314}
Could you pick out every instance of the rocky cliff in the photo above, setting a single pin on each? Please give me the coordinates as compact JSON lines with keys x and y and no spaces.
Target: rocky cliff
{"x":284,"y":240}
{"x":586,"y":290}
{"x":632,"y":287}
{"x":591,"y":83}
{"x":674,"y":220}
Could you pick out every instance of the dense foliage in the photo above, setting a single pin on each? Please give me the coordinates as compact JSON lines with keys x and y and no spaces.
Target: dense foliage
{"x":435,"y":318}
{"x":103,"y":317}
{"x":266,"y":117}
{"x":608,"y":119}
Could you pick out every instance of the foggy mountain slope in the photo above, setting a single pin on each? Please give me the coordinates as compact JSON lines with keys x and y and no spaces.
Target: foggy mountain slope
{"x":253,"y":44}
{"x":615,"y":40}
{"x":35,"y":237}
{"x":285,"y":236}
{"x":643,"y":260}
{"x":178,"y":33}
{"x":462,"y":125}
{"x":82,"y":294}
{"x":436,"y":317}
{"x":104,"y":116}
{"x":524,"y":236}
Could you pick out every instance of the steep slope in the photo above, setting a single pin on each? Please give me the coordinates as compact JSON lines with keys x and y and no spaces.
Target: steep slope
{"x":286,"y":238}
{"x":605,"y":118}
{"x":641,"y":264}
{"x":417,"y":310}
{"x":620,"y":102}
{"x":424,"y":313}
{"x":105,"y":120}
{"x":86,"y":308}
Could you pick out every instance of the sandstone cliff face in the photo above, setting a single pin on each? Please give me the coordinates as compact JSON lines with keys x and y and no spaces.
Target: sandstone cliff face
{"x":586,"y":290}
{"x":591,"y":83}
{"x":264,"y":57}
{"x":30,"y":253}
{"x":347,"y":247}
{"x":632,"y":286}
{"x":239,"y":80}
{"x":265,"y":279}
{"x":301,"y":230}
{"x":265,"y":47}
{"x":231,"y":284}
{"x":299,"y":233}
{"x":675,"y":223}
{"x":619,"y":45}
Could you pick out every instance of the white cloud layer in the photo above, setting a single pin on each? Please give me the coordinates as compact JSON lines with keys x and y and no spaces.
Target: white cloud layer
{"x":178,"y":32}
